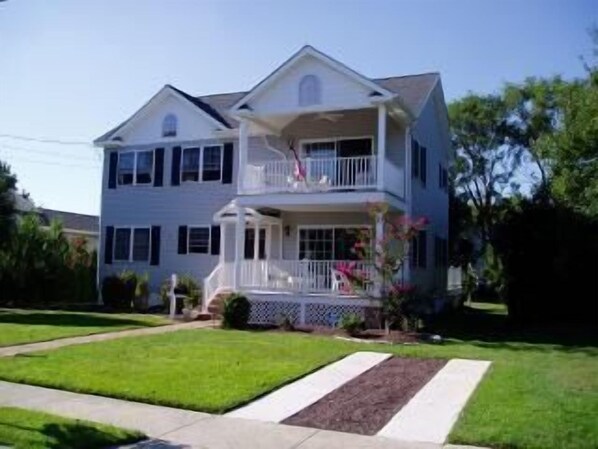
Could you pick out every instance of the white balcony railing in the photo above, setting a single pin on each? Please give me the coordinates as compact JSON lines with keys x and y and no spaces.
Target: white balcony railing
{"x":311,"y":175}
{"x":304,"y":276}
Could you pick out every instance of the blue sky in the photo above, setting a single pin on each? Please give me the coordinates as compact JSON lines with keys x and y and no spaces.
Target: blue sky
{"x":70,"y":70}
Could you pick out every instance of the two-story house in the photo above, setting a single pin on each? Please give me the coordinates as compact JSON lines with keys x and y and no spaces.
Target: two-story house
{"x":261,"y":191}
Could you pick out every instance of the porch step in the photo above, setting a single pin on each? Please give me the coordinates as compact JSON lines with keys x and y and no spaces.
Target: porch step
{"x":217,"y":304}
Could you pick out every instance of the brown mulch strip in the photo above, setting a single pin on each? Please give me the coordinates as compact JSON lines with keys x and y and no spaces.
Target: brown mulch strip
{"x":365,"y":404}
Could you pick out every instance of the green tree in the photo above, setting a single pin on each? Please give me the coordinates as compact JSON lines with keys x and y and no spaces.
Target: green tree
{"x":8,"y":184}
{"x":487,"y":157}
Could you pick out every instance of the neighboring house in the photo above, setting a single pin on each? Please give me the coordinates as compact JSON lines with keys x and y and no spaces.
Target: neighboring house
{"x":210,"y":186}
{"x":74,"y":225}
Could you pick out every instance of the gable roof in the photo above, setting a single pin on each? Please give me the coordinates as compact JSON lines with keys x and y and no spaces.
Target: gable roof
{"x":413,"y":90}
{"x":70,"y":220}
{"x":305,"y":51}
{"x":205,"y":108}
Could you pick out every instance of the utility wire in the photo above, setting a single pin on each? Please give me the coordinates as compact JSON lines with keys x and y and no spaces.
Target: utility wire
{"x":60,"y":164}
{"x":56,"y":141}
{"x":45,"y":152}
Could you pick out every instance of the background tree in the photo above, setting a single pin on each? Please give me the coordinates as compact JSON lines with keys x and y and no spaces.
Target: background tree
{"x":487,"y":157}
{"x":8,"y":184}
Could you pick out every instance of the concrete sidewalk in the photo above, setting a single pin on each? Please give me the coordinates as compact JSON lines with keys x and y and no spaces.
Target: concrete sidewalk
{"x":53,"y":344}
{"x":171,"y":428}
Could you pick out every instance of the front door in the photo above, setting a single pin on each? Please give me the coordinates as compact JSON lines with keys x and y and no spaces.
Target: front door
{"x":250,"y":242}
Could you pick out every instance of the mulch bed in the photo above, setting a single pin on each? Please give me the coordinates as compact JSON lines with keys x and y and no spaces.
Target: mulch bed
{"x":365,"y":404}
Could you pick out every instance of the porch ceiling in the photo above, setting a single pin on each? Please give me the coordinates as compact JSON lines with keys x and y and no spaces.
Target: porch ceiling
{"x":331,"y":201}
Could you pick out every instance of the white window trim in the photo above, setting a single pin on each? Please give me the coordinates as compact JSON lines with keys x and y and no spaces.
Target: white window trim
{"x":132,"y":228}
{"x":189,"y":227}
{"x":200,"y":173}
{"x":135,"y":183}
{"x":334,"y":226}
{"x":302,"y":142}
{"x":176,"y":126}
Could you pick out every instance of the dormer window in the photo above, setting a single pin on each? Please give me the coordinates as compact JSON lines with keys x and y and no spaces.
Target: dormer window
{"x":169,"y":126}
{"x":310,"y":91}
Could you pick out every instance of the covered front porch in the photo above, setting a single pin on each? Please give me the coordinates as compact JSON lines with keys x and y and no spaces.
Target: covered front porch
{"x":293,"y":250}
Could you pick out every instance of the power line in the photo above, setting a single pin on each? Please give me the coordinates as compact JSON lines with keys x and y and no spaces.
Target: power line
{"x":60,"y":164}
{"x":45,"y":152}
{"x":36,"y":139}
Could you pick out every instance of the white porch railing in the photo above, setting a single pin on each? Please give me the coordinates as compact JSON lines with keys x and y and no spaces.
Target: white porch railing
{"x":321,"y":175}
{"x":286,"y":276}
{"x":305,"y":276}
{"x":221,"y":277}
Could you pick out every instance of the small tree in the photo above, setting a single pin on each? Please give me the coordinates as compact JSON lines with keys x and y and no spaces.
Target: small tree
{"x":388,"y":256}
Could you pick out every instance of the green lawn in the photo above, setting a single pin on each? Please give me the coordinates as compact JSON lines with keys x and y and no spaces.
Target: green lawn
{"x":18,"y":326}
{"x":24,"y":429}
{"x":541,"y":391}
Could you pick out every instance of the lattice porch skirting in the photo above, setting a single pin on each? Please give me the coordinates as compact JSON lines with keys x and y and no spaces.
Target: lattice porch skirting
{"x":272,"y":309}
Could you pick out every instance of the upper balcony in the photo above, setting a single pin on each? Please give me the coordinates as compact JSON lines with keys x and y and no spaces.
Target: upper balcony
{"x":337,"y":151}
{"x":322,"y":174}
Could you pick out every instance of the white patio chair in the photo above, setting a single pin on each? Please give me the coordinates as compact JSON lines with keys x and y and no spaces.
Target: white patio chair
{"x":340,"y":283}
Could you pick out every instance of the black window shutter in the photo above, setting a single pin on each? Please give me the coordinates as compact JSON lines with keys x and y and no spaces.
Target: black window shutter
{"x":423,"y":168}
{"x":414,"y":159}
{"x":413,"y":252}
{"x":155,"y":245}
{"x":423,"y":249}
{"x":182,"y":239}
{"x":159,"y":170}
{"x":112,"y":167}
{"x":175,"y":179}
{"x":108,"y":244}
{"x":227,"y":164}
{"x":215,"y":250}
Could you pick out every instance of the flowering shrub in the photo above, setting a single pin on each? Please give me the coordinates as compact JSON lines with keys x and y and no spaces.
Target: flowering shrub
{"x":389,"y":256}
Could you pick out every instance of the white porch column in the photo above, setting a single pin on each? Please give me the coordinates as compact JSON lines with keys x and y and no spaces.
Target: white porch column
{"x":256,"y":241}
{"x":222,"y":242}
{"x":409,"y":211}
{"x":269,"y":242}
{"x":280,"y":240}
{"x":243,"y":144}
{"x":381,"y":139}
{"x":239,"y":246}
{"x":379,"y":240}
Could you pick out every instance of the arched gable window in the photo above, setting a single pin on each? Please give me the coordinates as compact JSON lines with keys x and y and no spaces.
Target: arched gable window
{"x":169,"y":126}
{"x":310,"y":91}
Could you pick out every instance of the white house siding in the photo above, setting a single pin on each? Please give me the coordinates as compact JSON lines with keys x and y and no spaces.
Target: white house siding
{"x":431,"y":201}
{"x":338,"y":90}
{"x":259,"y":150}
{"x":169,"y":207}
{"x":147,"y":127}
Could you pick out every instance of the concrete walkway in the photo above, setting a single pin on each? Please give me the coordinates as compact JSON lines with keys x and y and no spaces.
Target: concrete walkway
{"x":53,"y":344}
{"x":171,"y":428}
{"x":440,"y":402}
{"x":292,"y":398}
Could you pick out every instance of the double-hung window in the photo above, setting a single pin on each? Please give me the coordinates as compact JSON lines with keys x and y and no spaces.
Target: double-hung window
{"x":136,"y":167}
{"x":202,"y":164}
{"x":132,"y":244}
{"x":199,"y":240}
{"x":190,"y":165}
